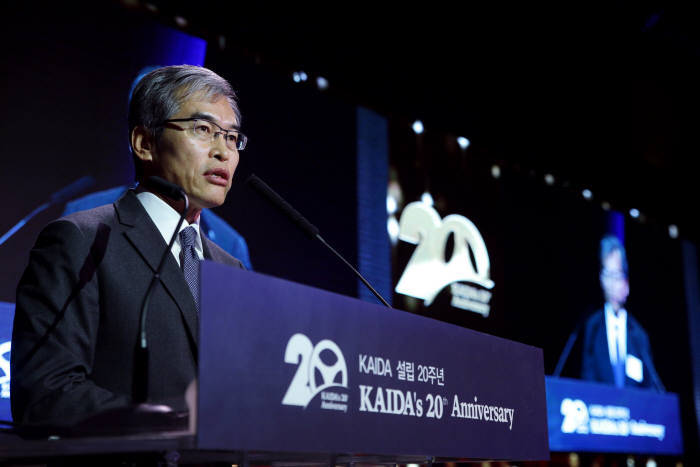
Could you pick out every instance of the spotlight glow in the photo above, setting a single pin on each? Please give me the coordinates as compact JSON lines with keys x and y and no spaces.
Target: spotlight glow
{"x":605,"y":205}
{"x":299,"y":76}
{"x":673,"y":231}
{"x":587,"y":194}
{"x":495,"y":171}
{"x":391,"y":204}
{"x":549,"y":179}
{"x":392,"y":227}
{"x":180,"y":21}
{"x":427,"y":198}
{"x":418,"y":127}
{"x":463,"y":142}
{"x":322,"y":83}
{"x":634,"y":212}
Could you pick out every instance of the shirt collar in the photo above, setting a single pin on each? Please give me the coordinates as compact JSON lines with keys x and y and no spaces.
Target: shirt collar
{"x":620,"y":316}
{"x":166,"y":218}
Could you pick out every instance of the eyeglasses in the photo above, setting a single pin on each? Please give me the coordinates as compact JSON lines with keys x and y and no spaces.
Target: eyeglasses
{"x":613,"y":275}
{"x":205,"y":130}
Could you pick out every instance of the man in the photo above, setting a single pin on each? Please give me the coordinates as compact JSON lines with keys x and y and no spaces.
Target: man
{"x":213,"y":226}
{"x":615,"y":346}
{"x":79,"y":300}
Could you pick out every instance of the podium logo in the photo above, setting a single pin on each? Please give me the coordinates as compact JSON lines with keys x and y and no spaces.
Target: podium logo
{"x":575,"y":415}
{"x":5,"y":348}
{"x":319,"y":368}
{"x":428,"y":271}
{"x":607,"y":420}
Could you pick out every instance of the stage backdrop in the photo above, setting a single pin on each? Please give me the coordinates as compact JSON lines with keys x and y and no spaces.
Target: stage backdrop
{"x":532,"y":247}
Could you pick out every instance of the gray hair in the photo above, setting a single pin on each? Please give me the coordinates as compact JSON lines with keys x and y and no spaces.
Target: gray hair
{"x":609,"y":244}
{"x":160,"y":94}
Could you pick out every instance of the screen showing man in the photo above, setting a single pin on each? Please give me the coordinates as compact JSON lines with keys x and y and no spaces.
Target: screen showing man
{"x":79,"y":300}
{"x":616,"y":347}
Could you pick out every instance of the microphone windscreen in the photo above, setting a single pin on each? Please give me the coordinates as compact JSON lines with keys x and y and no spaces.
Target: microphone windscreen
{"x":72,"y":190}
{"x":269,"y":194}
{"x":166,"y":188}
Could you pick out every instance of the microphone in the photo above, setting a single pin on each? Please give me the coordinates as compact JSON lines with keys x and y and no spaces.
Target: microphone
{"x":649,"y":363}
{"x":60,"y":196}
{"x":277,"y":201}
{"x":166,"y":188}
{"x":569,"y":345}
{"x":140,"y":416}
{"x":307,"y":227}
{"x":140,"y":383}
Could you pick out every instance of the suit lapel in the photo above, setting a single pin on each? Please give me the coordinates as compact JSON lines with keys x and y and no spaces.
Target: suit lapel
{"x":209,"y":252}
{"x":603,"y":351}
{"x":205,"y":244}
{"x":148,"y":242}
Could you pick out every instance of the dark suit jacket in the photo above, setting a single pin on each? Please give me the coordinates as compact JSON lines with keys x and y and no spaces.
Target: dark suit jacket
{"x":214,"y":226}
{"x":77,"y":316}
{"x":596,"y":364}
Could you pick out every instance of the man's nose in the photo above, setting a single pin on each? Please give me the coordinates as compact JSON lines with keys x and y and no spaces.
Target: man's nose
{"x":219,"y":150}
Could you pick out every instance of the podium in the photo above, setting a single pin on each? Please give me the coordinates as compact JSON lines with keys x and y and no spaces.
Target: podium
{"x":291,"y":373}
{"x":593,"y":417}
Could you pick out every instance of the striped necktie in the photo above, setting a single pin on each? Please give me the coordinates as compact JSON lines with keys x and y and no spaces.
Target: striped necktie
{"x":190,"y":262}
{"x":620,"y":364}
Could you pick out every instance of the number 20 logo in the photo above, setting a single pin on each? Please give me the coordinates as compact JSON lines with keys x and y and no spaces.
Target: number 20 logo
{"x":427,"y":273}
{"x":305,"y":383}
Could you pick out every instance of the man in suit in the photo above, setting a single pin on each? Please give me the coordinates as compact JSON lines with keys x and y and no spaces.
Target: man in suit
{"x":79,"y":300}
{"x":616,"y":348}
{"x":211,"y":225}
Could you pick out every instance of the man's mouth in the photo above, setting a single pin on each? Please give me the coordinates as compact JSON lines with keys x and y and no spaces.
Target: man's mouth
{"x":217,"y":176}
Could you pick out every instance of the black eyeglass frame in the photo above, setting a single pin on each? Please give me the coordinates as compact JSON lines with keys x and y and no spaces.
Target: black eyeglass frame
{"x":241,"y":141}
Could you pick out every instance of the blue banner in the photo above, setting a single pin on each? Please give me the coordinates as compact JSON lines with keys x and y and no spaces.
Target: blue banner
{"x":7,"y":314}
{"x":286,"y":367}
{"x":596,"y":417}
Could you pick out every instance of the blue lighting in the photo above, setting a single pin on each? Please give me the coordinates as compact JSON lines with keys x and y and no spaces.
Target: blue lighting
{"x":673,"y":231}
{"x":177,"y":48}
{"x":418,"y":127}
{"x":322,"y":83}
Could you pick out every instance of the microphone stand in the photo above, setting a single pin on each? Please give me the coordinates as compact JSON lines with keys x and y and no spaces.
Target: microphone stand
{"x":311,"y":230}
{"x":658,"y":385}
{"x":357,"y":273}
{"x":569,"y":345}
{"x":141,"y":356}
{"x":141,"y":415}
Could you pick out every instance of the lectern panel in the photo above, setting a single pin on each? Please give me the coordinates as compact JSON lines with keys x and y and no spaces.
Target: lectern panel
{"x":286,"y":367}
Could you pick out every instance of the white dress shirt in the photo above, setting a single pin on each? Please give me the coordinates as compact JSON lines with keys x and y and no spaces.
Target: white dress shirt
{"x":165,"y":218}
{"x":616,"y":327}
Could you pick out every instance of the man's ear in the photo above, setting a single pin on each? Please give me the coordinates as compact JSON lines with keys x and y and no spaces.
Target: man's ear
{"x":142,"y":143}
